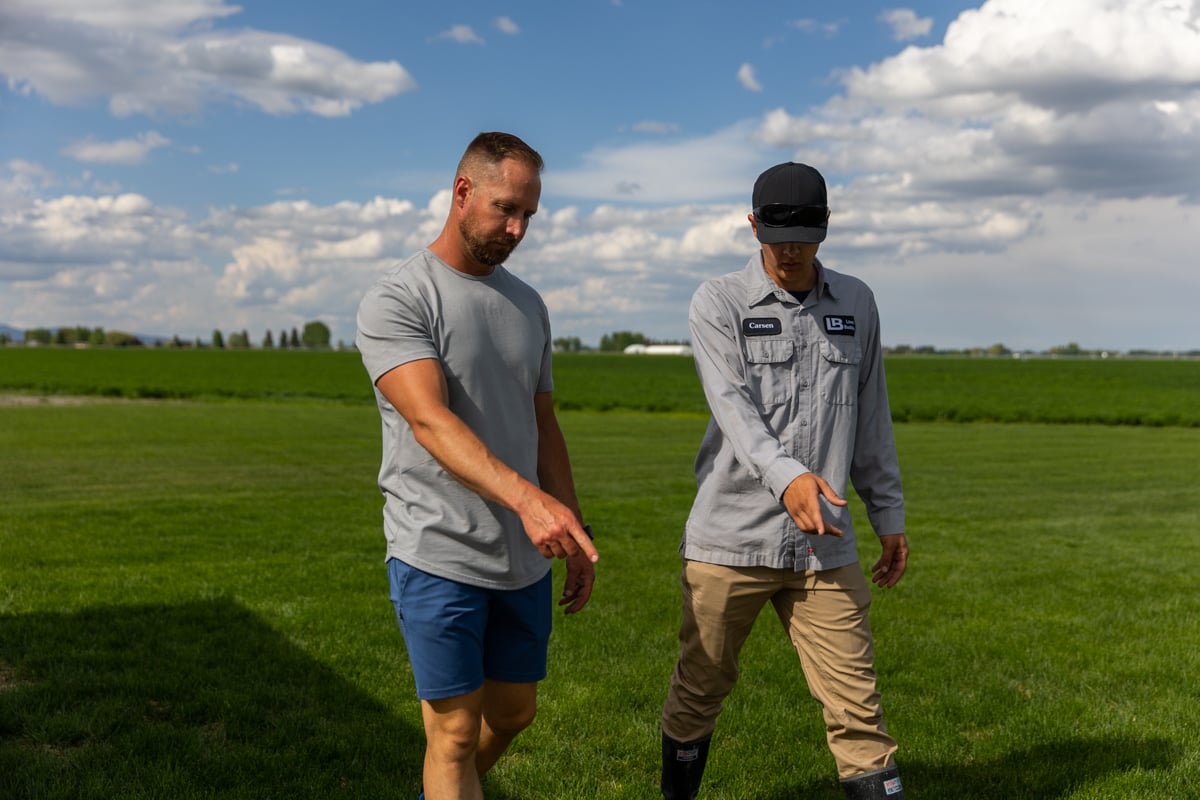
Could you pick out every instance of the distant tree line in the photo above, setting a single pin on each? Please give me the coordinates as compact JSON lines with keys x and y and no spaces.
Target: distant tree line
{"x":81,"y":335}
{"x":617,"y":341}
{"x":314,"y":336}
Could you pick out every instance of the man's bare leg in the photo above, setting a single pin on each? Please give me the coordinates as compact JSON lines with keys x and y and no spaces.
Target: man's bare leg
{"x":508,"y":709}
{"x":466,"y":735}
{"x":452,"y":728}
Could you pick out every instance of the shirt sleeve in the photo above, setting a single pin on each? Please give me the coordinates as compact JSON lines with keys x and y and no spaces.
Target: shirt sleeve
{"x":722,"y":370}
{"x":393,"y":329}
{"x":874,"y":468}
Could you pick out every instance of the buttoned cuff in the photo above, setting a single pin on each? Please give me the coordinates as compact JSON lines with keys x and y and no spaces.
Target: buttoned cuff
{"x":887,"y":521}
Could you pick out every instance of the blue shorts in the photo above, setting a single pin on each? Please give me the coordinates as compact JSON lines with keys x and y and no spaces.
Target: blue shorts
{"x":457,"y":635}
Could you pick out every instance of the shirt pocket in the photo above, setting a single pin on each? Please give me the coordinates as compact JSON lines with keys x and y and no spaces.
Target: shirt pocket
{"x":769,"y":369}
{"x":840,"y":363}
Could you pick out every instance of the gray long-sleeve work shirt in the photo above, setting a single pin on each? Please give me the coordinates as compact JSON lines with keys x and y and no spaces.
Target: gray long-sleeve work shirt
{"x":793,"y":387}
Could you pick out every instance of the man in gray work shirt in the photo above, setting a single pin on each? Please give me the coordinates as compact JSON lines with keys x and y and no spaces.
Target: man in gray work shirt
{"x":789,"y":356}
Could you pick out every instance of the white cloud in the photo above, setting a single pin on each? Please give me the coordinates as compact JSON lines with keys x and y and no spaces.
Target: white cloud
{"x":747,"y":79}
{"x":600,"y":300}
{"x":711,"y":167}
{"x":506,"y":25}
{"x":21,"y":182}
{"x":258,"y":269}
{"x":126,"y":15}
{"x":125,"y":152}
{"x":461,"y":34}
{"x":75,"y":228}
{"x":1021,"y":51}
{"x":366,"y":245}
{"x":1029,"y":273}
{"x":1021,"y":100}
{"x":905,"y":24}
{"x":1086,"y":264}
{"x":151,"y":57}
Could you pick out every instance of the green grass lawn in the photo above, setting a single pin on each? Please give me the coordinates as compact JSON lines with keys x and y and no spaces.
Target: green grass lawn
{"x":193,"y":605}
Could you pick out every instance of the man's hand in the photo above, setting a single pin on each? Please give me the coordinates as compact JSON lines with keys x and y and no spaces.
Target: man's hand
{"x":577,"y":588}
{"x":889,"y":569}
{"x":553,"y":528}
{"x":557,"y":533}
{"x":802,"y":501}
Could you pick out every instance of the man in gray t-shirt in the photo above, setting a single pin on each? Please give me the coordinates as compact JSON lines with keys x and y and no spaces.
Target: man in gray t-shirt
{"x":490,"y":336}
{"x":475,"y":474}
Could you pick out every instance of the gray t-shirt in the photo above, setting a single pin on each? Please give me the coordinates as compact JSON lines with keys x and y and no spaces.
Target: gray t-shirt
{"x":492,"y":337}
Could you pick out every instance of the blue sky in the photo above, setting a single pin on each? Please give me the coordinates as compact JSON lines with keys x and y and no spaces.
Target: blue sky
{"x":1009,"y":171}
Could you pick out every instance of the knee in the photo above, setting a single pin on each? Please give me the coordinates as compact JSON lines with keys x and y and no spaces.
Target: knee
{"x":512,"y":721}
{"x":455,"y":739}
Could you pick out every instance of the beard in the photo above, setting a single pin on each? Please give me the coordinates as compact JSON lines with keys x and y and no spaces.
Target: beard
{"x":488,"y":251}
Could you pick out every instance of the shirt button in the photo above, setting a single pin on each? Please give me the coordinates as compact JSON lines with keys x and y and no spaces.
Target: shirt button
{"x":803,"y":423}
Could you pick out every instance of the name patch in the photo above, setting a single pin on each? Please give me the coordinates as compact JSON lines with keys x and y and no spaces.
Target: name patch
{"x":839,"y":325}
{"x":761,"y":326}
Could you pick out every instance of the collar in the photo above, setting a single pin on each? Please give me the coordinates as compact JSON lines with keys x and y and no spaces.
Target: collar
{"x":760,"y":288}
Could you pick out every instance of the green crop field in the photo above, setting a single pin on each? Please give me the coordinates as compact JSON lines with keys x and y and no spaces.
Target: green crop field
{"x":1114,"y":392}
{"x":193,"y":602}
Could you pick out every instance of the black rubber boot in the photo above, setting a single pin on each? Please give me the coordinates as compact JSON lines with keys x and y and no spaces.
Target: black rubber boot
{"x":682,"y":767}
{"x":881,"y":785}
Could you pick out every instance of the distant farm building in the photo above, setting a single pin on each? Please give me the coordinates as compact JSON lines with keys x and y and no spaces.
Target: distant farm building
{"x":658,"y":350}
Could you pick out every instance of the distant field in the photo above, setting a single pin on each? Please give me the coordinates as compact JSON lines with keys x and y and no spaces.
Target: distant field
{"x":941,"y":388}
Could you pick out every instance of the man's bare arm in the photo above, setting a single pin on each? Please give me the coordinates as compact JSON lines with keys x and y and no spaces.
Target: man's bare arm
{"x":418,"y":392}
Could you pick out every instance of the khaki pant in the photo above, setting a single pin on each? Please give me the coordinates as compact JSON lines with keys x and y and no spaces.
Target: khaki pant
{"x":825,"y":615}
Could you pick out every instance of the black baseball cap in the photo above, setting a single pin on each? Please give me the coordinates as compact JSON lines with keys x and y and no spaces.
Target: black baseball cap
{"x":790,"y":204}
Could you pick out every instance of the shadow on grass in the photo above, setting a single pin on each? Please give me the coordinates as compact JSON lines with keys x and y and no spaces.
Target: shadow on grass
{"x":1045,"y":772}
{"x":188,"y":701}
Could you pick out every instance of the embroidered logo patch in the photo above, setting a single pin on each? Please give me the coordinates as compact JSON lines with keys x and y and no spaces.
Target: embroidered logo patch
{"x":839,"y":325}
{"x":761,"y":326}
{"x":892,"y":786}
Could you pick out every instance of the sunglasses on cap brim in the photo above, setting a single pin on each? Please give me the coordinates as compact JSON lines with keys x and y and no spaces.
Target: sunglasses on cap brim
{"x":781,"y":215}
